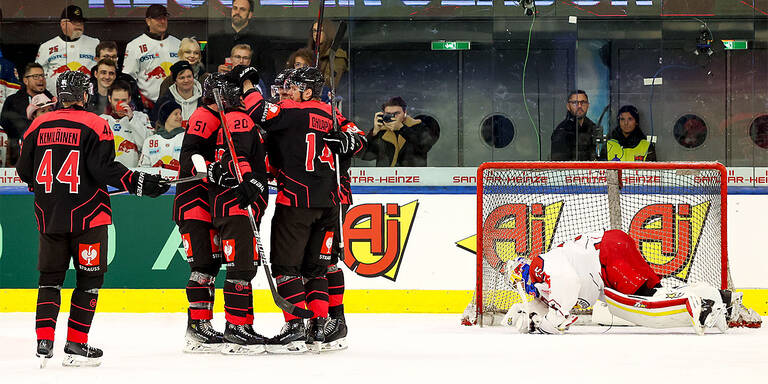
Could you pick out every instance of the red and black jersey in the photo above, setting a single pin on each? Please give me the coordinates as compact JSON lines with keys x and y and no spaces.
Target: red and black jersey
{"x":252,"y":158}
{"x":68,"y":159}
{"x":305,"y":167}
{"x":191,"y":201}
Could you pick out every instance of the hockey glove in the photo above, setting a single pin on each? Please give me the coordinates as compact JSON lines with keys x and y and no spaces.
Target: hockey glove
{"x":249,"y":190}
{"x":146,"y":184}
{"x":219,"y":174}
{"x":241,"y":73}
{"x":343,"y":143}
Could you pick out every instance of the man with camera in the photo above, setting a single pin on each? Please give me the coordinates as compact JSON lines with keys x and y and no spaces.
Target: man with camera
{"x":397,"y":139}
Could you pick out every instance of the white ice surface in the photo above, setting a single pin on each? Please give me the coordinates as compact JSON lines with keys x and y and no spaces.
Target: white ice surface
{"x":399,"y":349}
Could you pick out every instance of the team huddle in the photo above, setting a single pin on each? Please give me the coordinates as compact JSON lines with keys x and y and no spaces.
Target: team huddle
{"x":300,"y":142}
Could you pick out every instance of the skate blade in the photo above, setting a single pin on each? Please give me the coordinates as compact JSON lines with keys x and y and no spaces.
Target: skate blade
{"x":335,"y":345}
{"x":236,"y":349}
{"x":43,"y":360}
{"x":197,"y":347}
{"x":315,"y":347}
{"x":80,"y":361}
{"x":292,"y":347}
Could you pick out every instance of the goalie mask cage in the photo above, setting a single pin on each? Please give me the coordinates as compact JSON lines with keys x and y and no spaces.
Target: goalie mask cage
{"x":676,"y":213}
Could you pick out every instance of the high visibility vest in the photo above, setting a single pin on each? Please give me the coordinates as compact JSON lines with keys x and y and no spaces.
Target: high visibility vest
{"x":618,"y":153}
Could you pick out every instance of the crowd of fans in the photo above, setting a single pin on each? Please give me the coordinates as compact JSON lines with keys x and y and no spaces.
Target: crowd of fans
{"x":148,"y":101}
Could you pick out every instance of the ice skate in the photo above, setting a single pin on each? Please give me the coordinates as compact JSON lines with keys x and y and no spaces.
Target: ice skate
{"x":291,"y":338}
{"x":335,"y":335}
{"x":201,"y":337}
{"x":81,"y":355}
{"x":316,"y":333}
{"x":44,"y":351}
{"x":239,"y":340}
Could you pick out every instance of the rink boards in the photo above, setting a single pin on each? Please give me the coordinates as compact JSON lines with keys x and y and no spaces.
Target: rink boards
{"x":410,"y":252}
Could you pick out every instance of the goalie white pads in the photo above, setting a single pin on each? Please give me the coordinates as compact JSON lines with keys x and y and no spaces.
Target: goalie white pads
{"x":536,"y":316}
{"x":671,"y":307}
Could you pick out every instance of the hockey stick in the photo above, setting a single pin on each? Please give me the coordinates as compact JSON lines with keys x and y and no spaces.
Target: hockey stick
{"x":320,"y":13}
{"x":200,"y":173}
{"x":334,"y":46}
{"x":281,"y":302}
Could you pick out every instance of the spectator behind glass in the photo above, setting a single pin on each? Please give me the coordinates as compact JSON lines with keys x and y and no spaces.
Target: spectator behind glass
{"x":163,"y":148}
{"x":238,"y":29}
{"x":9,"y":79}
{"x":627,"y":142}
{"x":185,"y":90}
{"x":239,"y":55}
{"x":148,"y":58}
{"x":71,"y":50}
{"x":303,"y":57}
{"x":13,"y":117}
{"x":397,"y":139}
{"x":129,"y":127}
{"x":573,"y":139}
{"x":39,"y":105}
{"x":189,"y":51}
{"x":108,"y":50}
{"x":105,"y":74}
{"x":326,"y":38}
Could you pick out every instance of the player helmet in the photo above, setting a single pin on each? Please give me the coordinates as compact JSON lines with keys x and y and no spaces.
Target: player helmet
{"x":281,"y":81}
{"x":71,"y":85}
{"x":308,"y":78}
{"x":230,"y":91}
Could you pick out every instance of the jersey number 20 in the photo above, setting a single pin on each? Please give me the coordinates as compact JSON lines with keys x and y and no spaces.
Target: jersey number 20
{"x":67,"y":174}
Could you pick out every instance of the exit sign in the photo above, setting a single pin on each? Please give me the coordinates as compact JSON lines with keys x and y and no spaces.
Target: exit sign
{"x":450,"y":45}
{"x":735,"y":44}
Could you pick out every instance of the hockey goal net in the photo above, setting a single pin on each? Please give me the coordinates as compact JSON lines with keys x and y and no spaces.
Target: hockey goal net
{"x":676,"y":212}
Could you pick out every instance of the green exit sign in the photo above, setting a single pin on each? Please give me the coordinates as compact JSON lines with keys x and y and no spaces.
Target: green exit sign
{"x":450,"y":45}
{"x":735,"y":44}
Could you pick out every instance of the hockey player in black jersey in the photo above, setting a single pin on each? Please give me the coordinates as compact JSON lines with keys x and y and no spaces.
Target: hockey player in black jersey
{"x":67,"y":160}
{"x":300,"y":142}
{"x":229,"y":204}
{"x":192,"y":213}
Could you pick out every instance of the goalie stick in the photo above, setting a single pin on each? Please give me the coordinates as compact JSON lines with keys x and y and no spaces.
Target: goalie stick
{"x":280,"y":301}
{"x":200,"y":173}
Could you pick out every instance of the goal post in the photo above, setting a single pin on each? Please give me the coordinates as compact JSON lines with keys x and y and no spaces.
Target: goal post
{"x":675,"y":211}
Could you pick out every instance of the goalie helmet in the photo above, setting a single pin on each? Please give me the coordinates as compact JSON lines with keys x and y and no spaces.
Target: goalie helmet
{"x":71,"y":85}
{"x":229,"y":90}
{"x":308,"y":78}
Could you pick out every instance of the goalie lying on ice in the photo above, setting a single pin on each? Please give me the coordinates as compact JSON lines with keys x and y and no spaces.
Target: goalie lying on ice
{"x":608,"y":266}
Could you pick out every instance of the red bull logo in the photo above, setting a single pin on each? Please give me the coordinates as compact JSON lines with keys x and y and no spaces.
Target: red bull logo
{"x":156,"y":73}
{"x":60,"y":70}
{"x":375,"y":236}
{"x":127,"y":146}
{"x":85,"y":70}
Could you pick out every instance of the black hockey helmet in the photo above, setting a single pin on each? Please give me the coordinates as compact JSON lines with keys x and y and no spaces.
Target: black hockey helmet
{"x":281,"y":82}
{"x":71,"y":85}
{"x":308,"y":78}
{"x":230,"y":91}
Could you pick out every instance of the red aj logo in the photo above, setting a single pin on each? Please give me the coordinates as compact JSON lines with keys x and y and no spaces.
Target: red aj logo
{"x":514,"y":230}
{"x":668,"y":236}
{"x":375,"y":236}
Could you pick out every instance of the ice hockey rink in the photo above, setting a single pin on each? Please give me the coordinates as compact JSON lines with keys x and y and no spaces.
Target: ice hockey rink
{"x":405,"y":348}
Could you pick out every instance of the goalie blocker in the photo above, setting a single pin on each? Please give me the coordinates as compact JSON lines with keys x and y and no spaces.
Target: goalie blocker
{"x":608,"y":265}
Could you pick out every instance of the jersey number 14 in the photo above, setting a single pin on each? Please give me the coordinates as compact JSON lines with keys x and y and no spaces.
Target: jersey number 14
{"x":325,"y":157}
